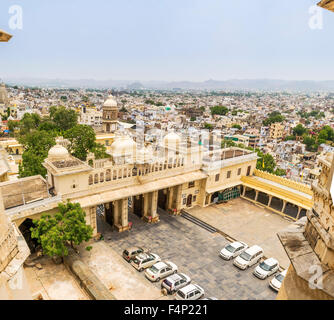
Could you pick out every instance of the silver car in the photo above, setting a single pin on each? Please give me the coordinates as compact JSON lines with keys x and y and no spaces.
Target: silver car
{"x":190,"y":292}
{"x":175,"y":282}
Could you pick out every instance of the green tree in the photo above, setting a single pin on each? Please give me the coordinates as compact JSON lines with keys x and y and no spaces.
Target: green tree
{"x":28,"y":123}
{"x":208,"y":126}
{"x":82,"y":140}
{"x":99,"y":151}
{"x":237,"y":126}
{"x":63,"y":118}
{"x":67,"y":227}
{"x":220,"y":110}
{"x":36,"y":147}
{"x":273,"y":117}
{"x":299,"y":130}
{"x":193,"y":119}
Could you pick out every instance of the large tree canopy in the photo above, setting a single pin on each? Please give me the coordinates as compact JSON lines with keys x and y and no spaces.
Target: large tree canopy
{"x":63,"y":118}
{"x":36,"y":147}
{"x":67,"y":226}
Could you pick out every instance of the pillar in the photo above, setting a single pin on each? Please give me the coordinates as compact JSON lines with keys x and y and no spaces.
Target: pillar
{"x":177,"y":199}
{"x":284,"y":206}
{"x":244,"y":191}
{"x":256,"y":195}
{"x":121,"y":214}
{"x":270,"y":199}
{"x":299,"y":211}
{"x":151,"y":205}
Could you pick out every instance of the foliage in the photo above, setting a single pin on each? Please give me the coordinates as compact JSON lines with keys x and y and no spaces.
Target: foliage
{"x":82,"y":140}
{"x":273,"y":117}
{"x":208,"y":126}
{"x":237,"y":126}
{"x":63,"y":118}
{"x":299,"y":130}
{"x":220,"y":110}
{"x":67,"y":226}
{"x":36,"y":147}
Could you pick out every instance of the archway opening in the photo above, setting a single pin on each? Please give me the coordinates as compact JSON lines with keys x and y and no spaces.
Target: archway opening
{"x":26,"y":232}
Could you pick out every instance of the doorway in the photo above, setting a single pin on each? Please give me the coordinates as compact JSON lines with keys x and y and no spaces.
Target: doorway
{"x":189,"y":200}
{"x":138,"y":205}
{"x":26,"y":232}
{"x":162,"y":199}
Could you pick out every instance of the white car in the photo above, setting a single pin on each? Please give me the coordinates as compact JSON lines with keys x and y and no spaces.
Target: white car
{"x":233,"y":249}
{"x":190,"y":292}
{"x":266,"y":268}
{"x":175,"y":282}
{"x":145,"y":260}
{"x":160,"y":270}
{"x":249,"y":257}
{"x":276,"y":281}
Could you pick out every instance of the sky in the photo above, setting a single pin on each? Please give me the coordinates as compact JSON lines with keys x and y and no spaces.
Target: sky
{"x":171,"y":40}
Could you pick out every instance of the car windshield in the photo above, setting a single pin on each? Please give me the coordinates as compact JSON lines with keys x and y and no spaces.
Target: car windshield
{"x":264,"y":266}
{"x":245,"y":256}
{"x":154,"y":269}
{"x":136,"y":261}
{"x":280,"y":277}
{"x":168,"y":283}
{"x":230,"y":248}
{"x":181,"y":294}
{"x":126,"y":252}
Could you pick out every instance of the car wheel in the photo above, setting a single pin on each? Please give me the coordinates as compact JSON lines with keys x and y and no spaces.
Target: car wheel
{"x":141,"y":269}
{"x":175,"y":271}
{"x":158,"y":279}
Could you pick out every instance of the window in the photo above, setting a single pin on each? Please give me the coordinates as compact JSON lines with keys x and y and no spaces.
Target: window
{"x":101,"y":177}
{"x":191,"y":184}
{"x":239,"y":171}
{"x":90,"y":180}
{"x":217,"y":177}
{"x":228,"y":175}
{"x":184,"y":201}
{"x":249,"y":170}
{"x":108,"y":175}
{"x":194,"y":198}
{"x":96,"y":178}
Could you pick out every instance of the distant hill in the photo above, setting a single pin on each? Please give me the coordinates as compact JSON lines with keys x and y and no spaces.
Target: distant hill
{"x":233,"y":84}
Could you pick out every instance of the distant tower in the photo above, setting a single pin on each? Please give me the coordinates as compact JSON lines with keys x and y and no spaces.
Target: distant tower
{"x":309,"y":244}
{"x":110,"y":115}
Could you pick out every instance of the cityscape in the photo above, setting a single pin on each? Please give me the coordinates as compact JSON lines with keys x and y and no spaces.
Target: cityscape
{"x":164,"y":189}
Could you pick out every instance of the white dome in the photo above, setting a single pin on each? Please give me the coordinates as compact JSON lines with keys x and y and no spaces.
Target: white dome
{"x":58,"y":152}
{"x":122,"y":146}
{"x":172,"y":138}
{"x":110,"y":102}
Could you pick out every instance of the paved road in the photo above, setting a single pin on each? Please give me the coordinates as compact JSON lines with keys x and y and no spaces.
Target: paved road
{"x":195,"y":251}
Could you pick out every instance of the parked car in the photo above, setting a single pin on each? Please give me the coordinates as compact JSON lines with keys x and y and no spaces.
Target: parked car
{"x":145,"y":260}
{"x":130,"y":253}
{"x":160,"y":270}
{"x":190,"y":292}
{"x":266,"y":268}
{"x":175,"y":282}
{"x":276,"y":281}
{"x":233,"y":249}
{"x":249,"y":257}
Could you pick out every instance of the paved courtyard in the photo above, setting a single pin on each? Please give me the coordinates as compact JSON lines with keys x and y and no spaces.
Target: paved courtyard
{"x":245,"y":221}
{"x":194,"y":250}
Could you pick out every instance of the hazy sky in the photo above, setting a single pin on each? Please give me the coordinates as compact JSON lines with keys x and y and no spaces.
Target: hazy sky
{"x":167,"y":40}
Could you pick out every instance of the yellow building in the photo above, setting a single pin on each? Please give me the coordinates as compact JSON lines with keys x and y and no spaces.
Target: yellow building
{"x":276,"y":130}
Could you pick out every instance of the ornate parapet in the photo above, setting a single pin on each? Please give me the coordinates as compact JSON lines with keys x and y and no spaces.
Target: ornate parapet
{"x":8,"y":245}
{"x":284,"y":181}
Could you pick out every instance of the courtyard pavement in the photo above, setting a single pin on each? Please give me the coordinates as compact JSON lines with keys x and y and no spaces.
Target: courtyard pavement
{"x":245,"y":221}
{"x":194,"y":250}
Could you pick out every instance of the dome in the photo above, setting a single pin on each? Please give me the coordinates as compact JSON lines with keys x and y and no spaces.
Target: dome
{"x":123,"y":145}
{"x":58,"y":152}
{"x":172,"y":138}
{"x":110,"y":102}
